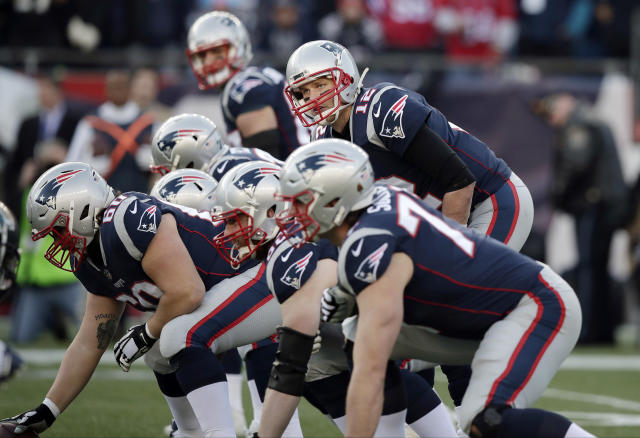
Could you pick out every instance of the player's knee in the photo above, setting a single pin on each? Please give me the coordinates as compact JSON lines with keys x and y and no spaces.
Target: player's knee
{"x":172,"y":339}
{"x":487,"y":423}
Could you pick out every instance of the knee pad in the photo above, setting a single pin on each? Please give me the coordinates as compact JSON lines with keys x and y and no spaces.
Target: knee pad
{"x":487,"y":422}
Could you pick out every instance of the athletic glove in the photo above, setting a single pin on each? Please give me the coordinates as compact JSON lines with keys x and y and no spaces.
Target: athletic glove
{"x":337,"y":305}
{"x":317,"y":343}
{"x":136,"y":342}
{"x":38,"y":419}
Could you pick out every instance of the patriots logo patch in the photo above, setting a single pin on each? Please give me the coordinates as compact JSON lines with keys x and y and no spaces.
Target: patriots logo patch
{"x":49,"y":191}
{"x":248,"y":181}
{"x":309,"y":165}
{"x":170,"y":190}
{"x":368,"y":269}
{"x":392,"y":123}
{"x":168,"y":142}
{"x":293,"y":275}
{"x":148,"y":223}
{"x":241,"y":91}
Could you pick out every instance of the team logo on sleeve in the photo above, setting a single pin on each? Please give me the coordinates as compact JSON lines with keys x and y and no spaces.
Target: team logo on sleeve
{"x":309,"y":165}
{"x":148,"y":220}
{"x":248,"y":181}
{"x":368,"y":269}
{"x":168,"y":142}
{"x":392,"y":123}
{"x":49,"y":191}
{"x":173,"y":186}
{"x":293,"y":275}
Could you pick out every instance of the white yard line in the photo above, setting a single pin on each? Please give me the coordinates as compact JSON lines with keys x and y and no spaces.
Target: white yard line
{"x":597,"y":399}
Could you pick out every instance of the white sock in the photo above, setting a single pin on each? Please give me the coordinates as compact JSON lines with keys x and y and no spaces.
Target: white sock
{"x":435,"y":424}
{"x":293,"y":429}
{"x":257,"y":407}
{"x":576,"y":431}
{"x":211,"y":407}
{"x":183,"y":415}
{"x":391,"y":425}
{"x":341,"y":423}
{"x":235,"y":391}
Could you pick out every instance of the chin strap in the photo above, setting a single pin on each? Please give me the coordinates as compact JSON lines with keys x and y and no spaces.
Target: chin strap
{"x":364,"y":73}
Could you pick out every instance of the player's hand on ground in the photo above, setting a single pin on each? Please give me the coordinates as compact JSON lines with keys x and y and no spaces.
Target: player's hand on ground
{"x":136,"y":342}
{"x":38,"y":419}
{"x":337,"y":305}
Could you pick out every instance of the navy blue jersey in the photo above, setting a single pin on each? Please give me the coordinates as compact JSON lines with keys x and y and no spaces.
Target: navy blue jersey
{"x":462,"y":281}
{"x":129,"y":224}
{"x":234,"y":156}
{"x":288,"y":268}
{"x":255,"y":88}
{"x":384,"y":120}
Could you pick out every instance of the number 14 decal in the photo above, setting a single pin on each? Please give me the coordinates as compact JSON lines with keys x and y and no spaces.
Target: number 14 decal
{"x":409,"y":214}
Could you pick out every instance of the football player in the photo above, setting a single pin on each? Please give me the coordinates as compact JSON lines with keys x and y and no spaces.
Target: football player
{"x":135,"y":249}
{"x":410,"y":143}
{"x":196,"y":189}
{"x":255,"y":110}
{"x":417,"y":278}
{"x":10,"y":361}
{"x":297,"y":277}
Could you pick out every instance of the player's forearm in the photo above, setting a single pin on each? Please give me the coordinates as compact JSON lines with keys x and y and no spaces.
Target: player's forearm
{"x":364,"y":404}
{"x":457,"y":204}
{"x":277,"y":411}
{"x":77,"y":367}
{"x":171,"y":306}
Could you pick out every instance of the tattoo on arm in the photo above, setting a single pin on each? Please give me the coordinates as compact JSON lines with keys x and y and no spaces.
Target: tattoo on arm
{"x":106,"y":329}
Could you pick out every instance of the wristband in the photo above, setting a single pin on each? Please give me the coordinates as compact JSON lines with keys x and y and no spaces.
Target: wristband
{"x":146,"y":329}
{"x":52,"y":407}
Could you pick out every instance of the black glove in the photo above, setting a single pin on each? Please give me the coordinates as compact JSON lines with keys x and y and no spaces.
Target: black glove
{"x":136,"y":342}
{"x":38,"y":419}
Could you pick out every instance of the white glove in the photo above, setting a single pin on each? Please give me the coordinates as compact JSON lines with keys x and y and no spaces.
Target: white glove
{"x":337,"y":305}
{"x":136,"y":342}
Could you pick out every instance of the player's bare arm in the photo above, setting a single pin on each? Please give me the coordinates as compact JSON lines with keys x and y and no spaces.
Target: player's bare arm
{"x":168,"y":263}
{"x":457,"y":204}
{"x":380,"y":318}
{"x":300,"y":312}
{"x":98,"y":326}
{"x":259,"y":129}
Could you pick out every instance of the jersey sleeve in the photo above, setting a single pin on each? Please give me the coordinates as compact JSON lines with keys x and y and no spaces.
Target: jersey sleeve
{"x":363,"y":258}
{"x":395,"y":117}
{"x":288,"y":268}
{"x":250,"y":94}
{"x":134,"y":222}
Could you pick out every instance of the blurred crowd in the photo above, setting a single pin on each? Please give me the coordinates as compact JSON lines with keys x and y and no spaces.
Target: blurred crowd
{"x":458,"y":28}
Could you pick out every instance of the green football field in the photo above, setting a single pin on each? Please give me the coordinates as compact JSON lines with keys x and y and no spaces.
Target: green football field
{"x":597,"y":387}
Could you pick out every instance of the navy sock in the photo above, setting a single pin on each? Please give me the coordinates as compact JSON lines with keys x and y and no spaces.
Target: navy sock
{"x":329,"y":395}
{"x":169,"y":385}
{"x":197,"y":367}
{"x":421,"y":398}
{"x":458,"y":377}
{"x":395,"y":398}
{"x":259,"y":363}
{"x":231,"y":362}
{"x":532,"y":423}
{"x":429,"y":375}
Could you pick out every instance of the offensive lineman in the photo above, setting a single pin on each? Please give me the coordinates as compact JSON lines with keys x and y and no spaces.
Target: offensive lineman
{"x":415,"y":273}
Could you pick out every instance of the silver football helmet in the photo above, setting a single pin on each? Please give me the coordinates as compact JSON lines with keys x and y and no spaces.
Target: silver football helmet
{"x":9,"y":248}
{"x":189,"y":187}
{"x":245,"y":201}
{"x":67,"y":202}
{"x":185,"y":141}
{"x":223,"y":32}
{"x":322,"y":59}
{"x":322,"y":182}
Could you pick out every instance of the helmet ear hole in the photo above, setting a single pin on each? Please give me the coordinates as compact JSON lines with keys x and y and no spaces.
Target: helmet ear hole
{"x":331,"y":203}
{"x":85,"y":212}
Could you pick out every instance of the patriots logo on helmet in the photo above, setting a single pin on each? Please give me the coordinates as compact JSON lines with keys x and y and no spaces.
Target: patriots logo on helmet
{"x":392,"y":123}
{"x":368,"y":269}
{"x":248,"y":181}
{"x":293,"y":275}
{"x":168,"y":142}
{"x":173,"y":186}
{"x":49,"y":191}
{"x":312,"y":163}
{"x":332,"y":47}
{"x":148,"y":222}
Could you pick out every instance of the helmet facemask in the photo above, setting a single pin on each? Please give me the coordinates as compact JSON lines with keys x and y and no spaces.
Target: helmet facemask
{"x":309,"y":111}
{"x":64,"y":245}
{"x":218,"y":72}
{"x":295,"y":222}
